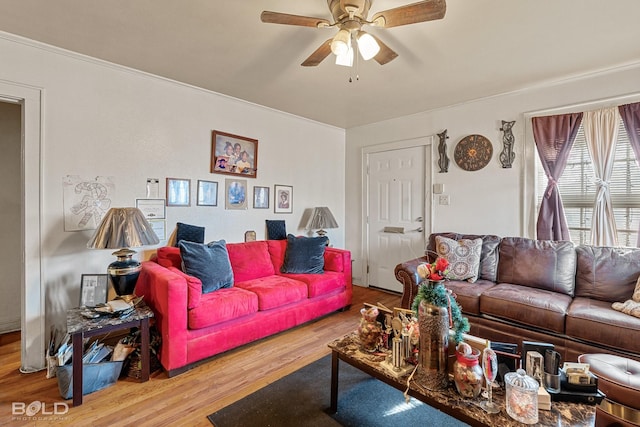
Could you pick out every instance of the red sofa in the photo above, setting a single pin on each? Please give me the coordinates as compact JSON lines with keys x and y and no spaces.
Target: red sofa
{"x":262,"y":301}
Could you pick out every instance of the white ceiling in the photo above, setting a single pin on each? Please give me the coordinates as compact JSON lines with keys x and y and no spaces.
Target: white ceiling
{"x":480,"y":48}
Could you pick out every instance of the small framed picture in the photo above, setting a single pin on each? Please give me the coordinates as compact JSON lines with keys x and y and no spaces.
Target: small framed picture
{"x":152,"y":208}
{"x":261,"y":197}
{"x":93,"y":289}
{"x":207,"y":193}
{"x":283,"y":198}
{"x":233,"y":154}
{"x":178,"y":192}
{"x":235,"y":194}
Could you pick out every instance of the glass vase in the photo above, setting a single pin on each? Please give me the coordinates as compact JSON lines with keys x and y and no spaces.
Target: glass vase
{"x":433,"y":322}
{"x":467,"y":374}
{"x":369,"y":330}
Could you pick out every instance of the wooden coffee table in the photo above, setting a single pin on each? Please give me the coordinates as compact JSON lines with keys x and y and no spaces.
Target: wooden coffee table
{"x":346,"y":349}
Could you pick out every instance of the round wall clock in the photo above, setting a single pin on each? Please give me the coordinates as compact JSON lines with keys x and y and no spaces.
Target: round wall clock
{"x":473,"y":152}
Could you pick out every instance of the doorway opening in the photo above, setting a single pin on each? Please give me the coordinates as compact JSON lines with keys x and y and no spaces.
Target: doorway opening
{"x":397,"y":207}
{"x":31,"y":293}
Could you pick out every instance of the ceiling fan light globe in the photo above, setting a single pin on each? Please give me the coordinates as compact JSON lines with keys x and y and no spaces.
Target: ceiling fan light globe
{"x":345,"y":59}
{"x":341,"y":43}
{"x":367,"y":46}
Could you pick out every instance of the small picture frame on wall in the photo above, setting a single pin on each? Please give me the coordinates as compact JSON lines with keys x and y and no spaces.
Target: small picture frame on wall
{"x":178,"y":192}
{"x":93,"y":289}
{"x":283,"y":198}
{"x":233,"y":154}
{"x":235,"y":194}
{"x":261,"y":197}
{"x":207,"y":193}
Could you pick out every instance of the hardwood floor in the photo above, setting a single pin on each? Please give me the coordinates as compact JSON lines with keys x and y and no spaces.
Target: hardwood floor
{"x":187,"y":398}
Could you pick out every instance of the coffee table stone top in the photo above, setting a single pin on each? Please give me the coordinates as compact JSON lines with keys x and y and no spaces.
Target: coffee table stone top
{"x":562,"y":414}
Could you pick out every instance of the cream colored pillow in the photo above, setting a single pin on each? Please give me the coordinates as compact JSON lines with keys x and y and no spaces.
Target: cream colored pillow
{"x":463,"y":256}
{"x":636,"y":292}
{"x":630,"y":306}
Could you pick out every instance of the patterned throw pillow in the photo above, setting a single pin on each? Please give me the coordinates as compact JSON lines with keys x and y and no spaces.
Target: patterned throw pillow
{"x":276,"y":229}
{"x":463,"y":256}
{"x":189,"y":233}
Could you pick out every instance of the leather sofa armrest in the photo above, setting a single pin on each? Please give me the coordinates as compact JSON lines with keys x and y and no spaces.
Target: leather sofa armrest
{"x":406,"y":273}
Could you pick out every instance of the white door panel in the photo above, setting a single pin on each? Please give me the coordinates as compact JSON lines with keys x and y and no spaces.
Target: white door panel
{"x":396,"y":211}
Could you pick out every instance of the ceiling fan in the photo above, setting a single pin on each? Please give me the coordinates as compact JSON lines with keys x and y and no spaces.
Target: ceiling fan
{"x":349,"y":16}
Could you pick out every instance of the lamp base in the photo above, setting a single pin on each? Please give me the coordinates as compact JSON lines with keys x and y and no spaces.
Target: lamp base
{"x":323,"y":233}
{"x":124,"y":272}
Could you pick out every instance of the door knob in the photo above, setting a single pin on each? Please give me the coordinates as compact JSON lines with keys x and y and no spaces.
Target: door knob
{"x":419,"y":229}
{"x":419,"y":219}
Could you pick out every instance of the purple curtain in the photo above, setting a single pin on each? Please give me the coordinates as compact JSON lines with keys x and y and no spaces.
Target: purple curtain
{"x":554,"y":136}
{"x":630,"y":114}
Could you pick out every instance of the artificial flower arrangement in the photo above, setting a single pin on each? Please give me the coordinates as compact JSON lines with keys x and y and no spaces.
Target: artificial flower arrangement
{"x":440,"y":296}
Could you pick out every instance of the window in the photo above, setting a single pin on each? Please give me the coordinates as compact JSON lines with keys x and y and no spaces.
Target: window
{"x":578,"y":190}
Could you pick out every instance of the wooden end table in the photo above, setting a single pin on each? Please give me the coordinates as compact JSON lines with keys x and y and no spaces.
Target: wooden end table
{"x":80,"y":327}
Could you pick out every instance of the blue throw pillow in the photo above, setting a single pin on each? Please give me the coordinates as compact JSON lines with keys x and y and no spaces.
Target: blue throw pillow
{"x":304,"y":255}
{"x":209,"y":263}
{"x":276,"y":229}
{"x":190,"y":233}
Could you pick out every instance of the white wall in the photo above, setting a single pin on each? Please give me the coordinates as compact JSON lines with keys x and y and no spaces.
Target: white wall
{"x":10,"y":126}
{"x":105,"y":120}
{"x":488,"y":201}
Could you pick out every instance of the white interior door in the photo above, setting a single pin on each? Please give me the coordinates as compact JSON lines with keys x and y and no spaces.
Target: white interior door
{"x":397,"y":183}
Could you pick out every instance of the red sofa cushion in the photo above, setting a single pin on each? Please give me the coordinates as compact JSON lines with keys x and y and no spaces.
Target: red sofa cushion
{"x":275,"y":291}
{"x":333,"y":261}
{"x":169,"y":256}
{"x":321,"y":284}
{"x":250,"y":260}
{"x":194,"y":287}
{"x":222,"y":305}
{"x":277,"y":249}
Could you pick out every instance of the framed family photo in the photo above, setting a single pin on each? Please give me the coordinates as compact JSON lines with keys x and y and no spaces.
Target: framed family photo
{"x":283,"y":198}
{"x":261,"y":197}
{"x":233,"y":154}
{"x":207,"y":193}
{"x":235,"y":194}
{"x":178,"y":192}
{"x":93,"y":290}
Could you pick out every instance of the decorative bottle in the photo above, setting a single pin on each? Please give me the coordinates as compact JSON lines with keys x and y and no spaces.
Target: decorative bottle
{"x":467,"y":372}
{"x":369,"y":330}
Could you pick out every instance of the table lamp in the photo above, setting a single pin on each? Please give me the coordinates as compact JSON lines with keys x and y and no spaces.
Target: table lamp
{"x":123,"y":228}
{"x":321,"y":218}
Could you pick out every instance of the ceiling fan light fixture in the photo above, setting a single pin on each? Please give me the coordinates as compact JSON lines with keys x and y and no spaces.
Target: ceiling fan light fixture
{"x":345,"y":59}
{"x":367,"y":45}
{"x":341,"y":43}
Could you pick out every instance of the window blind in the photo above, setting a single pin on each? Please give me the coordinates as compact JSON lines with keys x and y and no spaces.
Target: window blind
{"x":578,"y":190}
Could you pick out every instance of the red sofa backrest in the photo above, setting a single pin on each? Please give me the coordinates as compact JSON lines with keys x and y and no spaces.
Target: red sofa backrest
{"x":250,"y":260}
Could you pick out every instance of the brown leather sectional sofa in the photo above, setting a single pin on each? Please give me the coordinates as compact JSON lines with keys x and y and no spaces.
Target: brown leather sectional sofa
{"x":548,"y":291}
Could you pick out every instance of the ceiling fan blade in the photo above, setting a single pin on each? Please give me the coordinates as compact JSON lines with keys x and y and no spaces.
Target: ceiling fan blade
{"x":386,"y":54}
{"x":319,"y":55}
{"x":421,"y":11}
{"x":285,"y":18}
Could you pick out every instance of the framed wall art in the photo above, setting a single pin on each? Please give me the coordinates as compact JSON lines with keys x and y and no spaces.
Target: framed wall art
{"x":261,"y":197}
{"x":152,"y":208}
{"x":283,"y":198}
{"x":207,"y":193}
{"x":178,"y":192}
{"x":93,"y":289}
{"x":235,"y":193}
{"x":233,"y":154}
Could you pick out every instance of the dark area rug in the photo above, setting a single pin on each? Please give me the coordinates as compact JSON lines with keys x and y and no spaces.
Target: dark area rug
{"x":302,"y":399}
